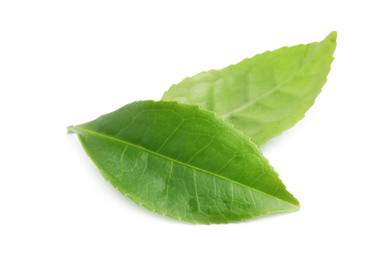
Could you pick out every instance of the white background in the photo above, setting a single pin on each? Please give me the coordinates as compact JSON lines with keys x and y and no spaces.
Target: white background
{"x":68,"y":62}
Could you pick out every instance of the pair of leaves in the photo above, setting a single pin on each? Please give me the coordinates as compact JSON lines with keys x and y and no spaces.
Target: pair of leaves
{"x":187,"y":163}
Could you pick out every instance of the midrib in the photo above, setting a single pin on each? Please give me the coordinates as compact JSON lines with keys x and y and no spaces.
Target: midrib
{"x":238,"y":109}
{"x":76,"y":130}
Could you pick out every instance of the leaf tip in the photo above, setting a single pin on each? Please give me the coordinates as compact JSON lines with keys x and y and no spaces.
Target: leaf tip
{"x":332,"y":36}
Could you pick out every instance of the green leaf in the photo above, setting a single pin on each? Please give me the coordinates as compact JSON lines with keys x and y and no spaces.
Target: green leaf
{"x":265,"y":95}
{"x":184,"y":162}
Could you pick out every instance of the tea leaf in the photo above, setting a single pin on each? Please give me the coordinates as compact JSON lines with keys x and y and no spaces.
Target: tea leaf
{"x":183,"y":162}
{"x":265,"y":95}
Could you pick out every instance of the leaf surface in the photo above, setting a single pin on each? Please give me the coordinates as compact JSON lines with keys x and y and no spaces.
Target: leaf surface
{"x":266,"y":94}
{"x":184,"y":162}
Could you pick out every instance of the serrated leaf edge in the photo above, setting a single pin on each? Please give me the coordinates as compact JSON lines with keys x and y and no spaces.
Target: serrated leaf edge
{"x":74,"y":129}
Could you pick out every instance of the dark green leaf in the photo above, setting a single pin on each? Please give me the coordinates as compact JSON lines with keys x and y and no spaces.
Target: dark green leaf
{"x":183,"y":162}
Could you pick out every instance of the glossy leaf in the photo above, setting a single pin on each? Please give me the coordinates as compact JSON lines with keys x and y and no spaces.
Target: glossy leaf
{"x":183,"y":162}
{"x":265,"y":95}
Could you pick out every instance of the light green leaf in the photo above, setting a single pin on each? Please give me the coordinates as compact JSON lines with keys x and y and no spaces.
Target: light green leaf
{"x":183,"y":162}
{"x":265,"y":95}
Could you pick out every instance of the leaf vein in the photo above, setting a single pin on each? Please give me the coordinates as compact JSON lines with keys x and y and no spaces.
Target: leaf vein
{"x":248,"y":104}
{"x":79,"y":130}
